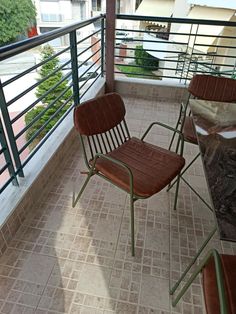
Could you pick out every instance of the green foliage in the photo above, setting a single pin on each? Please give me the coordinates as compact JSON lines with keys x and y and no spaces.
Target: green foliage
{"x":149,"y":60}
{"x":44,"y":112}
{"x":138,"y":72}
{"x":16,"y":16}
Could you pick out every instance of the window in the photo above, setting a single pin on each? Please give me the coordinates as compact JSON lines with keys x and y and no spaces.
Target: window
{"x":51,"y":17}
{"x":96,"y":5}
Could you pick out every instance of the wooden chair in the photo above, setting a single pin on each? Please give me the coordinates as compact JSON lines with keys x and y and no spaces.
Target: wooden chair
{"x":205,"y":87}
{"x":139,"y":168}
{"x":219,"y":283}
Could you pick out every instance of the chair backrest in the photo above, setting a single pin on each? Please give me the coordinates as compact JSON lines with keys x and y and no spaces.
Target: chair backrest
{"x":215,"y":88}
{"x":102,"y":121}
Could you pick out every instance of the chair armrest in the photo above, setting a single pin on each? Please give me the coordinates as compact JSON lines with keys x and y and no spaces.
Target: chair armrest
{"x":117,"y":162}
{"x":169,"y":128}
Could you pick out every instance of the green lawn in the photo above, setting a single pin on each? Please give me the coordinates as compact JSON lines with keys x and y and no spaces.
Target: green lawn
{"x":131,"y":71}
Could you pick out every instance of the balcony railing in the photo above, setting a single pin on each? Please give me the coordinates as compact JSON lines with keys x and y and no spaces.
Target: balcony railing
{"x":193,"y":46}
{"x":18,"y":144}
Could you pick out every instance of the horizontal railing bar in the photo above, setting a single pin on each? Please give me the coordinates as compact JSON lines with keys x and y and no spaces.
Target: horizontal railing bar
{"x":203,"y":54}
{"x":39,"y":99}
{"x":171,"y":33}
{"x":42,"y":112}
{"x":88,"y":48}
{"x":153,"y":76}
{"x":214,"y":46}
{"x":36,"y":84}
{"x":2,"y":150}
{"x":87,"y":37}
{"x":46,"y":136}
{"x":78,"y":55}
{"x":138,"y":66}
{"x":89,"y":57}
{"x":4,"y":168}
{"x":173,"y":20}
{"x":44,"y":125}
{"x":3,"y":187}
{"x":140,"y":58}
{"x":155,"y":41}
{"x":24,"y":45}
{"x":89,"y":68}
{"x":147,"y":67}
{"x":33,"y":67}
{"x":153,"y":50}
{"x":89,"y":78}
{"x":91,"y":85}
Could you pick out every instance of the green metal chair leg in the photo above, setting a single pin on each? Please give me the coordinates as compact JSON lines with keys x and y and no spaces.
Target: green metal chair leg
{"x":173,"y":289}
{"x":132,"y":224}
{"x":75,"y":200}
{"x":176,"y":192}
{"x":219,"y":279}
{"x":185,"y":169}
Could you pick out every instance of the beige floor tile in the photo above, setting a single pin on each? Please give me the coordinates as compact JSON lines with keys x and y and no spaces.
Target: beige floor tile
{"x":37,"y":268}
{"x":154,"y":292}
{"x":94,"y":280}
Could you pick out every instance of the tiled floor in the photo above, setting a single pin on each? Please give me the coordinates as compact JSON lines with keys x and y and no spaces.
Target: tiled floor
{"x":66,"y":260}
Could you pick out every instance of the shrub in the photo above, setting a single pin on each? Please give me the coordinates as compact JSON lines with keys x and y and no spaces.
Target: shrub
{"x":149,"y":60}
{"x":46,"y":110}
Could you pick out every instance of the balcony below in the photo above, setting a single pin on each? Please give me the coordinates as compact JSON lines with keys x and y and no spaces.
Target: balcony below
{"x":65,"y":260}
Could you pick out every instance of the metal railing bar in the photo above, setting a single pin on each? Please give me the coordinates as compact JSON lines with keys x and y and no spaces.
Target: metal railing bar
{"x":154,"y":50}
{"x":87,"y":37}
{"x":42,"y":112}
{"x":215,"y":46}
{"x":144,"y":67}
{"x":3,"y":149}
{"x":218,"y":55}
{"x":89,"y":68}
{"x":171,"y":33}
{"x":47,"y":136}
{"x":78,"y":55}
{"x":44,"y":125}
{"x":33,"y":68}
{"x":84,"y":62}
{"x":24,"y":45}
{"x":35,"y":102}
{"x":97,"y":77}
{"x":154,"y":41}
{"x":4,"y":186}
{"x":10,"y":102}
{"x":140,"y":58}
{"x":174,"y":20}
{"x":89,"y":78}
{"x":153,"y":76}
{"x":91,"y":56}
{"x":4,"y":168}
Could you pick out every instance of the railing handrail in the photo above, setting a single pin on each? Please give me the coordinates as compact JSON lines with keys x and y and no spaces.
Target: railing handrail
{"x":174,"y":20}
{"x":29,"y":43}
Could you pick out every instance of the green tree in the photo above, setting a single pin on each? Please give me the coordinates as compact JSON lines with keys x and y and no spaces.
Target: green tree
{"x":16,"y":16}
{"x":144,"y":59}
{"x":43,"y":113}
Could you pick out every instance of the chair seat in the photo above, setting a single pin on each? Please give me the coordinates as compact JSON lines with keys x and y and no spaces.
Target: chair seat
{"x":210,"y":285}
{"x":189,"y":131}
{"x":153,"y":167}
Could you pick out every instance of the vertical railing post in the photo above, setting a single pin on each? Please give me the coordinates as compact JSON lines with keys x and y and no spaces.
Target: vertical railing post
{"x":102,"y":44}
{"x":74,"y":65}
{"x":9,"y":131}
{"x":7,"y":155}
{"x":191,"y":55}
{"x":110,"y":44}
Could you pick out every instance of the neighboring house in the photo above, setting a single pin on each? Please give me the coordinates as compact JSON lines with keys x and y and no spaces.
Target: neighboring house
{"x":193,"y":9}
{"x":52,"y":14}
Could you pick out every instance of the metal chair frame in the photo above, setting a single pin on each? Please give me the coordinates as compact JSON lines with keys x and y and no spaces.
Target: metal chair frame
{"x":101,"y":144}
{"x":219,"y":278}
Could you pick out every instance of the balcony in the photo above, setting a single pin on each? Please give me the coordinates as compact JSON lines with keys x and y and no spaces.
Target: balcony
{"x":59,"y":259}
